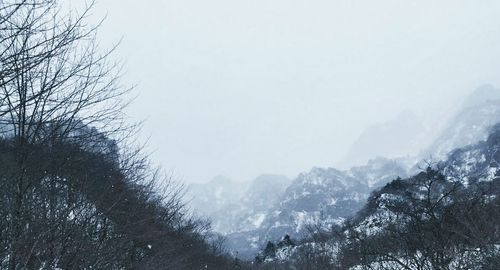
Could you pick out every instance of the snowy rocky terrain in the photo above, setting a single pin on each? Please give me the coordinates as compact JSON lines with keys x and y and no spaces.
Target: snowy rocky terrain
{"x":464,"y":166}
{"x":271,"y":206}
{"x":451,"y":207}
{"x":317,"y":198}
{"x":444,"y":217}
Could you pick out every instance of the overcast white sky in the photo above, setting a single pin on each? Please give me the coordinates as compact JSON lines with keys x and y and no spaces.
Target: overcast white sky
{"x":241,"y":88}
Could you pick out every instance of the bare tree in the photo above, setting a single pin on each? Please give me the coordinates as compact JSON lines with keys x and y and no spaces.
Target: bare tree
{"x":429,"y":222}
{"x":54,"y":85}
{"x":54,"y":74}
{"x":72,"y":195}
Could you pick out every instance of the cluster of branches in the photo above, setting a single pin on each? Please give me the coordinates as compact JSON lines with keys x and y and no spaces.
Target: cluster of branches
{"x":427,"y":222}
{"x":71,"y":195}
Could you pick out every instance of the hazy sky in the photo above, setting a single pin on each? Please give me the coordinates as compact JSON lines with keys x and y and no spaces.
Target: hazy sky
{"x":241,"y":88}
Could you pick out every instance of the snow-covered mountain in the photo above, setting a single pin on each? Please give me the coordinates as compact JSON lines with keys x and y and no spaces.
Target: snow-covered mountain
{"x":456,"y":199}
{"x":329,"y":195}
{"x":408,"y":135}
{"x":272,"y":206}
{"x":479,"y":162}
{"x":443,"y":217}
{"x":320,"y":197}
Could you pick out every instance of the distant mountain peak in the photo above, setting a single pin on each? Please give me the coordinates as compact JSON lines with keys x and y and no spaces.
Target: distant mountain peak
{"x":484,"y":93}
{"x":480,"y":112}
{"x":397,"y":137}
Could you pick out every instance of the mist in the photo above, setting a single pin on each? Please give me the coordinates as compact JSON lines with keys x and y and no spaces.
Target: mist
{"x":241,"y":88}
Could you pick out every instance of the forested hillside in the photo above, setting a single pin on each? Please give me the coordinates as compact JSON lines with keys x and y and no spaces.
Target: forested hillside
{"x":74,"y":192}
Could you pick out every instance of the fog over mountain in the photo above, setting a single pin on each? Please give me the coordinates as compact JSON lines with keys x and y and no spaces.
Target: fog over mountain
{"x":402,"y":136}
{"x":479,"y":111}
{"x":240,"y":88}
{"x":273,"y":206}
